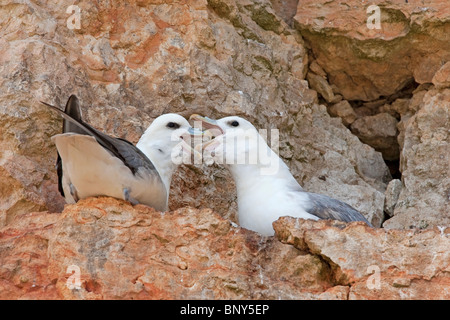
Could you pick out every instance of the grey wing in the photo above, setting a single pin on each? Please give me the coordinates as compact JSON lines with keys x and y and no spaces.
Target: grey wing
{"x":123,"y":149}
{"x":325,"y":207}
{"x":134,"y":157}
{"x":130,"y":155}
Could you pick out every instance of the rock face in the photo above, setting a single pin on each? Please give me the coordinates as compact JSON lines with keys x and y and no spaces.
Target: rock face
{"x":285,"y":65}
{"x":343,"y":110}
{"x":377,"y":264}
{"x":377,"y":69}
{"x":365,"y":61}
{"x":103,"y":248}
{"x":379,"y":131}
{"x":425,"y":198}
{"x":121,"y":252}
{"x":391,"y":196}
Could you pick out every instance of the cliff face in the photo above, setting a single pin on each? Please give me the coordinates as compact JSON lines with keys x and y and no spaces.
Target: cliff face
{"x":396,"y":79}
{"x":355,"y":107}
{"x":365,"y":61}
{"x":107,"y":249}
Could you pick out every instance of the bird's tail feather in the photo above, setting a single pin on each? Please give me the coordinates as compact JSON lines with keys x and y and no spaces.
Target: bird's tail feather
{"x":82,"y":128}
{"x":72,"y":109}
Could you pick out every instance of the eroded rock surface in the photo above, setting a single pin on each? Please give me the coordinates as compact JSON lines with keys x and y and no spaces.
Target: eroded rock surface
{"x":131,"y":61}
{"x":365,"y":62}
{"x":103,"y":248}
{"x":376,"y":263}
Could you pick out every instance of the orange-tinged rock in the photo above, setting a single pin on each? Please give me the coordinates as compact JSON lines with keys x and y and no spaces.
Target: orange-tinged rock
{"x":442,"y":77}
{"x":104,"y":248}
{"x":376,"y":263}
{"x":126,"y":252}
{"x":24,"y":257}
{"x":365,"y":61}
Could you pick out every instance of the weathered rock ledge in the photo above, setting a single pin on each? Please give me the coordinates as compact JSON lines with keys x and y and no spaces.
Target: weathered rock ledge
{"x":118,"y":251}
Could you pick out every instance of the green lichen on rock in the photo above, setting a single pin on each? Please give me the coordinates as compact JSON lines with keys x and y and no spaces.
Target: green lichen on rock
{"x":221,"y":8}
{"x":232,"y":14}
{"x":265,"y":19}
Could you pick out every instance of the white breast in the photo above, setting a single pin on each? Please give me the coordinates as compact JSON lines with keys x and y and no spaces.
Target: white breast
{"x":262,"y":199}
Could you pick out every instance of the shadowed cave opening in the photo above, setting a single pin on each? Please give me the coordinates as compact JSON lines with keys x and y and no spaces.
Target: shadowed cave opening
{"x":375,"y":122}
{"x":380,"y":106}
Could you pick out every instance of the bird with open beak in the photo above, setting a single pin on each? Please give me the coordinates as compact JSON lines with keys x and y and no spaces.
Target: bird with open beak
{"x":266,"y":190}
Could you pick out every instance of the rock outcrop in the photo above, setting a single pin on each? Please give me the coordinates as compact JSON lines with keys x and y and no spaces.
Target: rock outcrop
{"x":354,"y":106}
{"x":366,"y":60}
{"x":395,"y":77}
{"x":425,"y":164}
{"x":376,"y":263}
{"x":103,"y":248}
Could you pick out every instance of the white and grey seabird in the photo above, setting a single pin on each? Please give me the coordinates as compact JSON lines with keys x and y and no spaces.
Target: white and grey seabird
{"x":266,"y":190}
{"x":91,"y":163}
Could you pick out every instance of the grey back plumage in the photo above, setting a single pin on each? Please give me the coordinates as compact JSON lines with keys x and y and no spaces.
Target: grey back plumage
{"x":325,"y":207}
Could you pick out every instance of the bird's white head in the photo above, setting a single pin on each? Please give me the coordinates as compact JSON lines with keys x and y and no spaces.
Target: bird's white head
{"x":237,"y":143}
{"x":166,"y":141}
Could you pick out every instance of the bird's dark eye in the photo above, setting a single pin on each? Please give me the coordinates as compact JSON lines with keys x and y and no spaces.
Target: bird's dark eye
{"x":173,"y":125}
{"x":234,"y":123}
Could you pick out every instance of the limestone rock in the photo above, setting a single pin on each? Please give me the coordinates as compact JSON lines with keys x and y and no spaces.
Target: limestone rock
{"x":424,"y":201}
{"x":285,"y":9}
{"x":375,"y":263}
{"x":344,"y":111}
{"x":320,"y":85}
{"x":317,"y":69}
{"x":118,"y":251}
{"x":397,"y":108}
{"x":366,"y":62}
{"x":380,"y":132}
{"x":415,"y":103}
{"x":442,"y":77}
{"x":391,"y":196}
{"x":24,"y":257}
{"x":104,"y":248}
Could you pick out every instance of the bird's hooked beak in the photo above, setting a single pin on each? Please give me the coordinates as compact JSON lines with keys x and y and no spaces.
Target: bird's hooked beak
{"x":211,"y":129}
{"x":207,"y":123}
